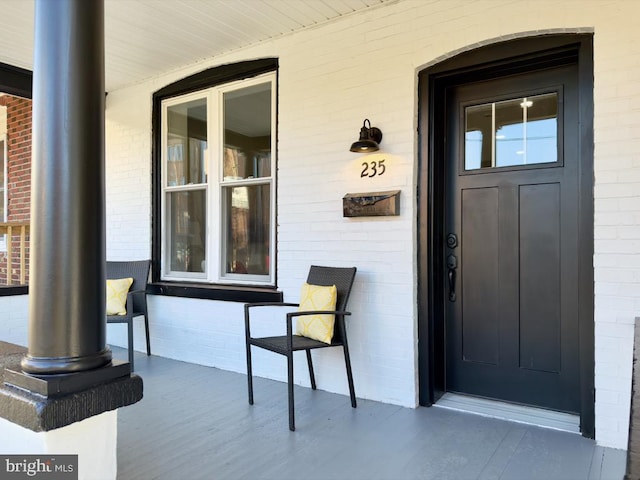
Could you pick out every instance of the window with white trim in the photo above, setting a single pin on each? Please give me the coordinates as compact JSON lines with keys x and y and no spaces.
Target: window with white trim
{"x":3,"y":174}
{"x":3,"y":179}
{"x":218,"y":184}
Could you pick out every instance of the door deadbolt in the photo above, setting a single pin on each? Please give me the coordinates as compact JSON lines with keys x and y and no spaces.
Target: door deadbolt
{"x":452,"y":240}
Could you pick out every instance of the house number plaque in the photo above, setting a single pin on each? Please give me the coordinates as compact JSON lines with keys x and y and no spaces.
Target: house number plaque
{"x":372,"y":204}
{"x":373,"y":169}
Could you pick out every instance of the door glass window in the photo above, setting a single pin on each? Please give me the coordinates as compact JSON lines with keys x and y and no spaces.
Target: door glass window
{"x":520,"y":131}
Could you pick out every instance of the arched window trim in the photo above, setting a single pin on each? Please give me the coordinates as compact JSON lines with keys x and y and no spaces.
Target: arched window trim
{"x":209,"y":78}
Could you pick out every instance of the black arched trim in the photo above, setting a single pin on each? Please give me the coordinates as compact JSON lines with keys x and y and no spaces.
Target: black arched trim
{"x":16,"y":81}
{"x":199,"y":81}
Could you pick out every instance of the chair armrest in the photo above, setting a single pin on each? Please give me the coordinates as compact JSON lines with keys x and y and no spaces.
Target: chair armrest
{"x":291,"y":315}
{"x":131,"y":293}
{"x":247,"y":306}
{"x":317,"y":312}
{"x":270,"y":304}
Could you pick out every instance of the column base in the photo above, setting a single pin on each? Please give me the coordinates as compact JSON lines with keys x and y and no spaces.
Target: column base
{"x":66,"y":383}
{"x":43,"y":403}
{"x":90,"y":446}
{"x":64,"y":365}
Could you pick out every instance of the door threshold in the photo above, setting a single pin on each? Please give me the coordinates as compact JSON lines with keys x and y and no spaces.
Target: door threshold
{"x":540,"y":417}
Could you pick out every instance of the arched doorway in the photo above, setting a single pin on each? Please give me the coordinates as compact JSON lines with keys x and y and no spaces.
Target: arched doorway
{"x":506,"y":225}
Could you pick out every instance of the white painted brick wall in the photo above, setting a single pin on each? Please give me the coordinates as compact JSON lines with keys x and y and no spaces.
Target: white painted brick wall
{"x":128,"y":176}
{"x":14,"y":319}
{"x":365,"y":66}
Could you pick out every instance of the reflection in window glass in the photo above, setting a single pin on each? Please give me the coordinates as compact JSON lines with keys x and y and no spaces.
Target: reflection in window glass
{"x":248,"y":222}
{"x":247,"y":132}
{"x":218,"y":203}
{"x":186,"y":143}
{"x":522,"y":131}
{"x":3,"y":181}
{"x":478,"y":148}
{"x":187,"y":217}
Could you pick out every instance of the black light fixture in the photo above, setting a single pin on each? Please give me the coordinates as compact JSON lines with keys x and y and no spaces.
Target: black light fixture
{"x":370,"y":137}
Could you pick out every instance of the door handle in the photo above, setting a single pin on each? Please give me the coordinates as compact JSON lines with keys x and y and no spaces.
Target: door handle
{"x":452,"y":265}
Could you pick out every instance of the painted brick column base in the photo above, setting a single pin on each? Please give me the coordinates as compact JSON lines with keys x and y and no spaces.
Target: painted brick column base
{"x":80,"y":421}
{"x":633,"y":449}
{"x":94,"y":440}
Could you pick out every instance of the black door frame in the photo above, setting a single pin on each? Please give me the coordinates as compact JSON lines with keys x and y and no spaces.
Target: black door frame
{"x":491,"y":61}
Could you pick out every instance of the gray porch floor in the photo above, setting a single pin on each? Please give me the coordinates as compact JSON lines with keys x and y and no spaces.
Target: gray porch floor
{"x":194,"y":423}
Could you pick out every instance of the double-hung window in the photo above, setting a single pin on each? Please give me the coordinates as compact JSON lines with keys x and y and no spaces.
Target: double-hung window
{"x":3,"y":189}
{"x":3,"y":179}
{"x":3,"y":174}
{"x":218,"y":184}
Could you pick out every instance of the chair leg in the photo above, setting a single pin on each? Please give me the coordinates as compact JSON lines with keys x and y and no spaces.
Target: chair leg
{"x":130,"y":335}
{"x":347,"y":361}
{"x":312,"y":377}
{"x":249,"y":373}
{"x":146,"y":328}
{"x":292,"y":422}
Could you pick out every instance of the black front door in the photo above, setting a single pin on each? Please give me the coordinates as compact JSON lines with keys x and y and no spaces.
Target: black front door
{"x":511,"y":233}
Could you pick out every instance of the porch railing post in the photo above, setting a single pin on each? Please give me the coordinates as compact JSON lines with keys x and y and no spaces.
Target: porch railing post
{"x":9,"y":255}
{"x":7,"y":230}
{"x":67,"y":323}
{"x":23,"y":239}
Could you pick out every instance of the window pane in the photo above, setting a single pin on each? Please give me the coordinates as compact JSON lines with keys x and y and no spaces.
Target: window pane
{"x":187,"y":217}
{"x":2,"y":183}
{"x":541,"y":129}
{"x":217,"y":167}
{"x":186,"y":143}
{"x":248,"y":222}
{"x":478,"y":137}
{"x":510,"y":133}
{"x":522,"y":131}
{"x":247,"y":132}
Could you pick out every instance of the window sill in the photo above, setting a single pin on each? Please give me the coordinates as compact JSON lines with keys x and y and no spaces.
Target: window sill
{"x":215,"y":292}
{"x":7,"y":291}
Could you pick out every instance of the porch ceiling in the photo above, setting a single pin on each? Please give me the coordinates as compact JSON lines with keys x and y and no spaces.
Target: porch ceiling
{"x":145,"y":38}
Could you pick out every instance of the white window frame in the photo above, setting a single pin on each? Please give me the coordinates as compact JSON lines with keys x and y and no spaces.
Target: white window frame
{"x":5,"y":196}
{"x":214,"y":188}
{"x":167,"y":274}
{"x":5,"y":192}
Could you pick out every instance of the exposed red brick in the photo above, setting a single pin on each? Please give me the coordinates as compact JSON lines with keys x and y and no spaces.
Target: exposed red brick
{"x":18,"y":178}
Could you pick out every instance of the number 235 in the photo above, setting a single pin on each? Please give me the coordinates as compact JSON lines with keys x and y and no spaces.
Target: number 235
{"x":371,"y":169}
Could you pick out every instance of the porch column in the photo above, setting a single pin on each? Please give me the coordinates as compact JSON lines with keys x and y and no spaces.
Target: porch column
{"x":67,"y":325}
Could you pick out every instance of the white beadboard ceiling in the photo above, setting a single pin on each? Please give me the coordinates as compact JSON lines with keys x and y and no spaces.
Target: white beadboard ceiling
{"x":147,"y":37}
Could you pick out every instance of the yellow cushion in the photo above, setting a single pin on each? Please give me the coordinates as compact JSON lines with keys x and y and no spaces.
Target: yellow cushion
{"x":316,"y":297}
{"x":117,"y":295}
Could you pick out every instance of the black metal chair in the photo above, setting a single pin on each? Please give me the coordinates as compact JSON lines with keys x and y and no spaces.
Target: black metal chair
{"x":342,"y":278}
{"x":136,"y":297}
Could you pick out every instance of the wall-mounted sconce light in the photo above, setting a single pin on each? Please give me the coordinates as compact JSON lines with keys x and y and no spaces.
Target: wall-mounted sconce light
{"x":370,"y":137}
